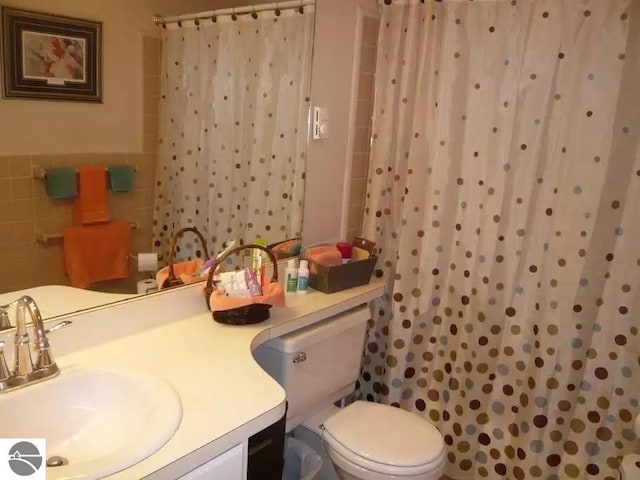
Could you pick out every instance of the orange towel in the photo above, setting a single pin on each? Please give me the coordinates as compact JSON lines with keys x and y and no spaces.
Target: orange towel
{"x":94,"y":253}
{"x":92,"y":203}
{"x":328,"y":256}
{"x":183,"y":271}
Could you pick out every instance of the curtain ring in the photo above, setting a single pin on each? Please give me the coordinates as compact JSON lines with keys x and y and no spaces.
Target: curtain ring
{"x":214,"y":19}
{"x":196,"y":22}
{"x":179,"y":23}
{"x":164,"y":25}
{"x":277,"y":12}
{"x":254,"y":14}
{"x":234,"y":17}
{"x":300,"y":8}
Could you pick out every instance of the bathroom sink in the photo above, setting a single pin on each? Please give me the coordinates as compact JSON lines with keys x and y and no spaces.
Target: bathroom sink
{"x":98,"y":421}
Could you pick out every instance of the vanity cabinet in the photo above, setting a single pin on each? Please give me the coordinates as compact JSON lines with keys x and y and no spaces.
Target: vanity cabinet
{"x":260,"y":458}
{"x":233,"y":421}
{"x":231,"y":465}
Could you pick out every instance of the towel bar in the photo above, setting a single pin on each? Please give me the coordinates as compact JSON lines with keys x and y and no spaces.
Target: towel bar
{"x":40,"y":172}
{"x":45,"y":238}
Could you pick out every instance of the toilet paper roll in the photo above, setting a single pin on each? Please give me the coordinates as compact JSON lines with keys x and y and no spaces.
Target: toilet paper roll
{"x":147,"y":286}
{"x":147,"y":262}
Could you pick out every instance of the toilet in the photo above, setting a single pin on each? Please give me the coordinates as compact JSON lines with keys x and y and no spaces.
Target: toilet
{"x":629,"y":468}
{"x":319,"y":365}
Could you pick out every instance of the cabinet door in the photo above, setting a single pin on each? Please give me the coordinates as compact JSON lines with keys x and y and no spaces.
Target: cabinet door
{"x":227,"y":466}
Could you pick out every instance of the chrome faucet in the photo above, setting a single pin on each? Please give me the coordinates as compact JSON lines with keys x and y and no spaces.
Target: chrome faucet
{"x":25,"y":372}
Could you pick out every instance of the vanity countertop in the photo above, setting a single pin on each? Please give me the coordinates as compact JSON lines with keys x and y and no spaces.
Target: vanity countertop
{"x":55,"y":300}
{"x":226,"y":396}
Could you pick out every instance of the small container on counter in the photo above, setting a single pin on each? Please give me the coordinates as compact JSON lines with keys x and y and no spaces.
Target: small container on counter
{"x":303,"y":277}
{"x":346,"y":250}
{"x":291,"y":277}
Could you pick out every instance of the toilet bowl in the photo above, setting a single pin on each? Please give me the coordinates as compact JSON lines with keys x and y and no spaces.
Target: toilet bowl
{"x":370,"y":441}
{"x":407,"y":454}
{"x":319,"y":365}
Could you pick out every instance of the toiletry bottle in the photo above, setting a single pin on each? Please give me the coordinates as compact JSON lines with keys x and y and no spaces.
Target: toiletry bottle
{"x":258,"y":263}
{"x":291,"y":274}
{"x":303,"y":277}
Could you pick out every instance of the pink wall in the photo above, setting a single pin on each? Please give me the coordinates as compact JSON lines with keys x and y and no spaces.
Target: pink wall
{"x":336,"y":58}
{"x":34,"y":127}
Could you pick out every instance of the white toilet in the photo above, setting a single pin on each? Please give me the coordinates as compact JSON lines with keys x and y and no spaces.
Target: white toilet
{"x":319,"y":365}
{"x":629,"y":468}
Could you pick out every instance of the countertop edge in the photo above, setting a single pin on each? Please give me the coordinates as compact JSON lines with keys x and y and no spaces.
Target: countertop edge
{"x":218,"y":446}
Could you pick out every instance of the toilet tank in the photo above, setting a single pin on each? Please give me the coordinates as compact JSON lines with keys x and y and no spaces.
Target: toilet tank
{"x":316,"y":365}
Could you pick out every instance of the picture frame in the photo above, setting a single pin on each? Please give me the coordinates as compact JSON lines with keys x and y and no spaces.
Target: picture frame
{"x":51,"y":57}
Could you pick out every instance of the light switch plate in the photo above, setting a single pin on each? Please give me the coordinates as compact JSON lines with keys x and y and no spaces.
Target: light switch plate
{"x":320,"y":123}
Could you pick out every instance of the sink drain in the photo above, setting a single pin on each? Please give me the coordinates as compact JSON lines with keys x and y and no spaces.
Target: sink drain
{"x":57,"y":461}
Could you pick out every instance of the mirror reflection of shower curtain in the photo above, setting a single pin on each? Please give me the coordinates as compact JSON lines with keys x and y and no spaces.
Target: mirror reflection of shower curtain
{"x":233,"y":128}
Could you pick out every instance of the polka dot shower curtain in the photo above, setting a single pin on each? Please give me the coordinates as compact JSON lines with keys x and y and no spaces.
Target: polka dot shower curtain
{"x":504,"y":190}
{"x":233,"y":128}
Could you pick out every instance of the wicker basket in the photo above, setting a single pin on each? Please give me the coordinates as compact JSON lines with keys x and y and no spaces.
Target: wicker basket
{"x":172,"y":279}
{"x":246,"y":314}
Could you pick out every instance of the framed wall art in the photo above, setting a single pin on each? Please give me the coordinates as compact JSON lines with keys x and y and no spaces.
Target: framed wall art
{"x":51,"y":57}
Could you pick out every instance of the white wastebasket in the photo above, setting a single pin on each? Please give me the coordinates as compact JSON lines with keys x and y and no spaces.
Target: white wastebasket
{"x":301,"y":462}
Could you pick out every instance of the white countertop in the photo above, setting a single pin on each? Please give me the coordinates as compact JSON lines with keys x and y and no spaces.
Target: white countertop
{"x":226,"y":396}
{"x":55,"y":300}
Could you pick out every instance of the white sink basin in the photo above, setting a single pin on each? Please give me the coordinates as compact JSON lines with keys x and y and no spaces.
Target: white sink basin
{"x":101,"y":421}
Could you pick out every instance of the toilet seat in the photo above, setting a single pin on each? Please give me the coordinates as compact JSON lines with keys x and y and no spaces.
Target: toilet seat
{"x":385,"y":440}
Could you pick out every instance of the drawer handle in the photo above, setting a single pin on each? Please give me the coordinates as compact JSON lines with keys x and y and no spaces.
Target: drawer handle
{"x":300,"y":357}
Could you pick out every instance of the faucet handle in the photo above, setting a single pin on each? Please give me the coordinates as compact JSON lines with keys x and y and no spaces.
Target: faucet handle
{"x":5,"y":324}
{"x":58,"y":326}
{"x":5,"y":373}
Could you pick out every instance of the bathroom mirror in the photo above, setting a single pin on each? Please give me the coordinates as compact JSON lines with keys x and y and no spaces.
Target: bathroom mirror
{"x":210,"y":112}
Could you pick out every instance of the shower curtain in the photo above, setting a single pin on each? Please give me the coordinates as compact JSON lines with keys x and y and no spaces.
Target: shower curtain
{"x":233,"y":128}
{"x":504,"y":191}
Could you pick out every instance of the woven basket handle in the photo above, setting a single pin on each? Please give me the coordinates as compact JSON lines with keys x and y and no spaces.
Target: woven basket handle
{"x":208,"y":289}
{"x":174,"y":243}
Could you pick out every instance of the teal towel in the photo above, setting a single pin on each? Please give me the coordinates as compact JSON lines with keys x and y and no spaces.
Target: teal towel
{"x":61,"y":183}
{"x":121,"y":178}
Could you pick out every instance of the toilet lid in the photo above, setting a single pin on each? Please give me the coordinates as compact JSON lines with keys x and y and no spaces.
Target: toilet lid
{"x":384,"y":438}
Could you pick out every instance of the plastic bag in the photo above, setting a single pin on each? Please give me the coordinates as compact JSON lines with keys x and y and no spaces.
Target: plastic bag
{"x":301,"y":462}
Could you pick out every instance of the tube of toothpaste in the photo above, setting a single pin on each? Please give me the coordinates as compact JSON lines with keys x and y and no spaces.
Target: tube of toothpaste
{"x":252,"y":282}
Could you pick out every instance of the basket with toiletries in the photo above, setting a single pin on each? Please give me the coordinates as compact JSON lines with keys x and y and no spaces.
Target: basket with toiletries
{"x":341,"y":266}
{"x":243,"y":296}
{"x":182,"y":273}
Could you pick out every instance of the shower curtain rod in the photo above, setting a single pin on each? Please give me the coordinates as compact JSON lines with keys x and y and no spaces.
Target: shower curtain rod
{"x":245,"y":10}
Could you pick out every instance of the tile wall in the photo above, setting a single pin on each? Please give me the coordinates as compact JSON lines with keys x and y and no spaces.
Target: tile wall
{"x":363,"y":126}
{"x":26,"y":210}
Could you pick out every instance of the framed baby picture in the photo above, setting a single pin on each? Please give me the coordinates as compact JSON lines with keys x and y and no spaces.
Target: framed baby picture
{"x":51,"y":57}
